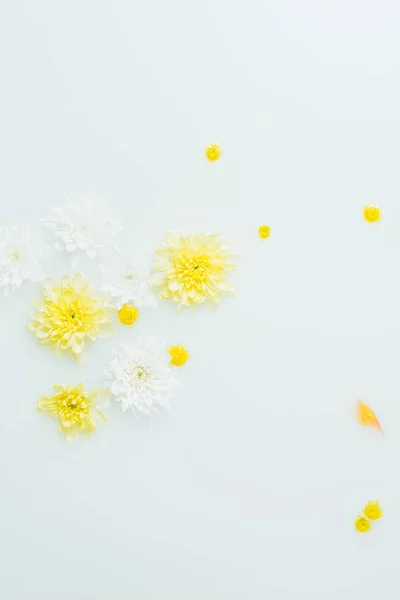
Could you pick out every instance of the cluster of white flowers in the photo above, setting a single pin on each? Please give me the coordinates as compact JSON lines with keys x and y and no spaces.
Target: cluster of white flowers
{"x":82,"y":226}
{"x":140,"y":375}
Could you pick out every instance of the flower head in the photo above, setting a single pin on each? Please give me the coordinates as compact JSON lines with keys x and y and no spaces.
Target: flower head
{"x":362,"y":524}
{"x":373,"y":511}
{"x":128,"y":314}
{"x":179,"y":355}
{"x":372,"y":213}
{"x":193,"y":269}
{"x":127,"y":281}
{"x":20,"y":256}
{"x":264,"y":231}
{"x":69,"y":314}
{"x":213,"y":152}
{"x":81,"y":224}
{"x":140,"y":378}
{"x":74,"y":409}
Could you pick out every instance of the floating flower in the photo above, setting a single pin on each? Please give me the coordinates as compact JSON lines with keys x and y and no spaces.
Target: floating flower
{"x":362,"y":524}
{"x":128,"y":314}
{"x":264,"y":231}
{"x":128,"y":281}
{"x":82,"y":224}
{"x":372,"y":213}
{"x":193,"y":269}
{"x":213,"y":152}
{"x":373,"y":511}
{"x":179,"y":355}
{"x":367,"y":417}
{"x":140,"y":378}
{"x":20,"y":256}
{"x":74,"y":409}
{"x":69,"y":314}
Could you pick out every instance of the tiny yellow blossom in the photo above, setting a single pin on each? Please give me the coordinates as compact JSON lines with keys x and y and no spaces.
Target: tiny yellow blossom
{"x":74,"y":409}
{"x":193,"y":269}
{"x":362,"y":524}
{"x":373,"y":511}
{"x":69,"y":314}
{"x":264,"y":231}
{"x":179,"y":355}
{"x":128,"y":314}
{"x":372,"y":213}
{"x":213,"y":152}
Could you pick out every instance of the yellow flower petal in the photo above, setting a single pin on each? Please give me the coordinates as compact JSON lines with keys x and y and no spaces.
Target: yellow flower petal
{"x":367,"y":417}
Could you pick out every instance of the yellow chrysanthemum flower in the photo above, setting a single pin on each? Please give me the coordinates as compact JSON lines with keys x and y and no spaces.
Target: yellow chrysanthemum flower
{"x":362,"y":524}
{"x":373,"y":511}
{"x":69,"y":314}
{"x":74,"y":408}
{"x":264,"y":231}
{"x":372,"y":213}
{"x":213,"y":152}
{"x":179,"y":355}
{"x":128,"y":314}
{"x":193,"y":269}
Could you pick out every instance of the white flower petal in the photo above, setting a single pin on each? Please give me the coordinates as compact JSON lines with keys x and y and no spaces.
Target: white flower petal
{"x":82,"y":224}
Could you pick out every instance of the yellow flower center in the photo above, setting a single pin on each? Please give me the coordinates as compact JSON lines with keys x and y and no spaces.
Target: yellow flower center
{"x":129,"y":275}
{"x":179,"y":355}
{"x":373,"y":511}
{"x":128,"y":314}
{"x":73,"y":407}
{"x":73,"y":316}
{"x":15,"y":255}
{"x":264,"y":231}
{"x":192,"y":271}
{"x":213,"y":152}
{"x":372,"y":213}
{"x":362,"y":524}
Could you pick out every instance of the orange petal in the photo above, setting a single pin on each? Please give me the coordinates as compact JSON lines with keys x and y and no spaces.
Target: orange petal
{"x":367,"y":417}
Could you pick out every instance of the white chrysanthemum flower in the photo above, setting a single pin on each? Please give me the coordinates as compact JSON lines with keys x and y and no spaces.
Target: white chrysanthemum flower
{"x":82,"y":224}
{"x":128,"y":281}
{"x":140,"y":377}
{"x":21,"y":252}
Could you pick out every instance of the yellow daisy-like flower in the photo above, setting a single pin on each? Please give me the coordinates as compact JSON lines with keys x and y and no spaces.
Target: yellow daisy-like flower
{"x":69,"y":314}
{"x":373,"y":511}
{"x":193,"y":269}
{"x":179,"y":355}
{"x":213,"y":152}
{"x":362,"y":524}
{"x":74,"y":409}
{"x":128,"y":314}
